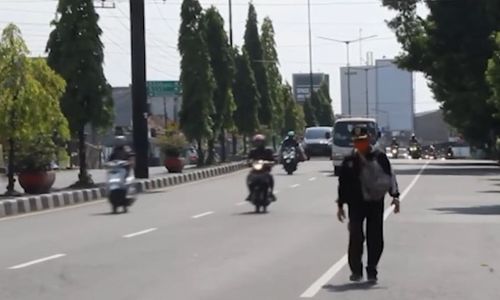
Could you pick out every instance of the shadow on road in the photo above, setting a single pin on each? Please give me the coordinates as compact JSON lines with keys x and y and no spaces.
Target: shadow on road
{"x":251,"y":213}
{"x":485,"y":210}
{"x":352,"y":286}
{"x":449,"y":170}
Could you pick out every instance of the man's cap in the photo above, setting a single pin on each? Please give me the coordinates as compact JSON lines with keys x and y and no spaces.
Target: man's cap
{"x":359,"y":133}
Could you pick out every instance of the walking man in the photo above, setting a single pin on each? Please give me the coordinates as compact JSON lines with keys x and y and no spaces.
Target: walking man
{"x":366,"y":176}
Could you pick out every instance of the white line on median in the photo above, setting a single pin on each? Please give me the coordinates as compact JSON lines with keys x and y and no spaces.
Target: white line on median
{"x":131,"y":235}
{"x":202,"y":215}
{"x":37,"y":261}
{"x":294,"y":186}
{"x":312,"y":178}
{"x":330,"y":273}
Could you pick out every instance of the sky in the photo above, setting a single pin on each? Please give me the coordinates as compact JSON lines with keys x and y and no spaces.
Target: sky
{"x":338,"y":19}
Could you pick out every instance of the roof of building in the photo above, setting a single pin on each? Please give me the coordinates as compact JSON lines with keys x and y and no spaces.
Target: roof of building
{"x":429,"y":112}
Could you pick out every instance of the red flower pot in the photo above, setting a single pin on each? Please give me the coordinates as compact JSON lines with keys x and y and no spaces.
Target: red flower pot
{"x":174,"y":164}
{"x":37,"y":182}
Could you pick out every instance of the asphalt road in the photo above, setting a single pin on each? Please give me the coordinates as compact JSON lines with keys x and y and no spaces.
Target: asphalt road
{"x":200,"y":241}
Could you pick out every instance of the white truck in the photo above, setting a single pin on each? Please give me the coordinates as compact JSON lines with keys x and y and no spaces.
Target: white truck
{"x":342,"y":139}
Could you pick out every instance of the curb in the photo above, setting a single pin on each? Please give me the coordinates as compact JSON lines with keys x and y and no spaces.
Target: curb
{"x":36,"y":203}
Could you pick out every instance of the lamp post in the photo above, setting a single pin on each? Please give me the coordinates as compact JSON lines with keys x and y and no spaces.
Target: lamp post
{"x":311,"y":84}
{"x":348,"y":43}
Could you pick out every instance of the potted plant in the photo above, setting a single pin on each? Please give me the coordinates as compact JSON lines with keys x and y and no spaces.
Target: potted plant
{"x":33,"y":165}
{"x":173,"y":144}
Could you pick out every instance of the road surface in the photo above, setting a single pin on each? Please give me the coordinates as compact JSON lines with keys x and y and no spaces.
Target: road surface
{"x":200,"y":241}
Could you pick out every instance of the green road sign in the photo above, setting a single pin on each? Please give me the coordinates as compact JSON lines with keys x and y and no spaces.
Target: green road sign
{"x":162,"y":88}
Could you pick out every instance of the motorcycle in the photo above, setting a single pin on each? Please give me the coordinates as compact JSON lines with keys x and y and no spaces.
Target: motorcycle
{"x":395,"y":152}
{"x":450,"y":154}
{"x":289,"y":160}
{"x":120,"y":186}
{"x":259,"y":184}
{"x":415,"y":152}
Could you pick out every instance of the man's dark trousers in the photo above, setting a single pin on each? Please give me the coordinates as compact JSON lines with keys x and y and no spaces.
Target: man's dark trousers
{"x":373,"y":213}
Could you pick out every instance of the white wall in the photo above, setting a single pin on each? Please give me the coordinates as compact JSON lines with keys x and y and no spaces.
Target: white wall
{"x":359,"y":91}
{"x":395,"y":97}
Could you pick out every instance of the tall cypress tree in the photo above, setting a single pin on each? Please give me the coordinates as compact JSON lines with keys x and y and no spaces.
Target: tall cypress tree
{"x":196,"y":77}
{"x":253,"y":47}
{"x":325,"y":113}
{"x":274,"y":78}
{"x":310,"y":114}
{"x":293,"y":112}
{"x":75,"y":51}
{"x":222,"y":65}
{"x":246,"y":95}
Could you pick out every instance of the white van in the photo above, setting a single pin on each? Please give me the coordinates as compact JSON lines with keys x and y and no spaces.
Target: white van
{"x":342,"y":139}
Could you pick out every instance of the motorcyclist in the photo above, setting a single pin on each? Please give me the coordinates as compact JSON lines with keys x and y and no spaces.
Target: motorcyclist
{"x":394,"y":143}
{"x":122,"y":151}
{"x":289,"y":142}
{"x":449,"y":152}
{"x":413,"y":140}
{"x":261,"y":152}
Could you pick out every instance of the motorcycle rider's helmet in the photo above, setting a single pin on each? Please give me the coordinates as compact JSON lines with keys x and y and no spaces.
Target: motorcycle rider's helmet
{"x":120,"y":141}
{"x":291,"y":134}
{"x":259,"y":140}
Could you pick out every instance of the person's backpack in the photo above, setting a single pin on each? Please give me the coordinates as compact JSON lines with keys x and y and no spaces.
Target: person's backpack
{"x":375,"y":182}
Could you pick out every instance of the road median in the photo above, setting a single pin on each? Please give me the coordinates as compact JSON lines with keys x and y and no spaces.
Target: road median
{"x":35,"y":203}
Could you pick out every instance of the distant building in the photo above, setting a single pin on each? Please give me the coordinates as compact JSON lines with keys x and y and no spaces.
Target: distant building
{"x":302,"y":84}
{"x":430,"y":128}
{"x":383,"y":91}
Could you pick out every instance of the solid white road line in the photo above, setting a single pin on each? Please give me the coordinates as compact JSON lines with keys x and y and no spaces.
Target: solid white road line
{"x":294,"y":186}
{"x":37,"y":261}
{"x":339,"y":265}
{"x":312,"y":178}
{"x":131,"y":235}
{"x":202,"y":215}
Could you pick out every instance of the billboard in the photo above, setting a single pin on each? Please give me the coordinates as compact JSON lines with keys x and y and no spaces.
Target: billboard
{"x":302,"y":84}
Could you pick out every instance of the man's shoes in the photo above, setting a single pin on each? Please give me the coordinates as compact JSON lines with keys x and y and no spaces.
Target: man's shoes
{"x":372,"y":278}
{"x":356,"y":277}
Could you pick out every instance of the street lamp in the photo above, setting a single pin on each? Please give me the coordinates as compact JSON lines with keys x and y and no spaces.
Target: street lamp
{"x":348,"y":43}
{"x":311,"y":84}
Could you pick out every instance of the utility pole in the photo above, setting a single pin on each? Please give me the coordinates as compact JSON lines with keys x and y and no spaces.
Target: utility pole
{"x":311,"y":83}
{"x":139,"y":94}
{"x":233,"y":137}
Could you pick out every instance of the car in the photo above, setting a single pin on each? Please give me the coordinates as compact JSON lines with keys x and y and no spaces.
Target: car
{"x":317,"y":141}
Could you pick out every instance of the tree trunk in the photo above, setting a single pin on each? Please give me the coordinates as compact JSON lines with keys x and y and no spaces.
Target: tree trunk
{"x":211,"y":151}
{"x":11,"y":170}
{"x":222,"y":142}
{"x":235,"y":144}
{"x":84,"y":179}
{"x":201,"y":155}
{"x":245,"y":144}
{"x":274,"y":142}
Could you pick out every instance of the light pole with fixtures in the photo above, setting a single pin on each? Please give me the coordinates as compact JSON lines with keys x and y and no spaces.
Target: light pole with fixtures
{"x":348,"y":43}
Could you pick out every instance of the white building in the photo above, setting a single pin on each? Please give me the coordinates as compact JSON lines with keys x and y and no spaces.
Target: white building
{"x":383,"y":91}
